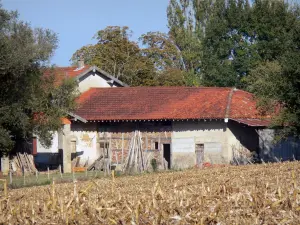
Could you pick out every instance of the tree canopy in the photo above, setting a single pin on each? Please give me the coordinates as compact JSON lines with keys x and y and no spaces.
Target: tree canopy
{"x":251,"y":45}
{"x":30,"y":103}
{"x":118,"y":55}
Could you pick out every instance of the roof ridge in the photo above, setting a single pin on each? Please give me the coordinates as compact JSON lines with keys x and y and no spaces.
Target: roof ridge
{"x":227,"y":112}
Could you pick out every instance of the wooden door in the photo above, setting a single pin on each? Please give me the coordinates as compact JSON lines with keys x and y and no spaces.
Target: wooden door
{"x":199,"y":149}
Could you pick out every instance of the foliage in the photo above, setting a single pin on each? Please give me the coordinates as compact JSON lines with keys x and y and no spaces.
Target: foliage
{"x":28,"y":103}
{"x":250,"y":46}
{"x":117,"y":55}
{"x":186,"y":36}
{"x":166,"y":58}
{"x":154,"y":164}
{"x":276,"y":82}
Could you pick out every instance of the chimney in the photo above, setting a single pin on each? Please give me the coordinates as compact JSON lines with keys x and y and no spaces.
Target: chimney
{"x":80,"y":63}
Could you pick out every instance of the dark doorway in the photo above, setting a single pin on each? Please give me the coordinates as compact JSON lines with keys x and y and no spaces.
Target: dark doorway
{"x":167,"y":154}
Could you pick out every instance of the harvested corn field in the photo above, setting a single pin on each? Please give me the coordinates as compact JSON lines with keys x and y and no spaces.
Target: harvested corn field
{"x":255,"y":194}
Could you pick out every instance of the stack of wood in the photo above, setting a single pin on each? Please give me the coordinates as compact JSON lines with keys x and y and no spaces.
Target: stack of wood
{"x":135,"y":161}
{"x":23,"y":163}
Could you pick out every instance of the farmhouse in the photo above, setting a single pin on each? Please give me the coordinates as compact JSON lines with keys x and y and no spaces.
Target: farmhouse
{"x":180,"y":126}
{"x":185,"y":126}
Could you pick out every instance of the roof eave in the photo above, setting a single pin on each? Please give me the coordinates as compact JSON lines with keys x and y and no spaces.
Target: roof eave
{"x":95,"y":68}
{"x":77,"y":117}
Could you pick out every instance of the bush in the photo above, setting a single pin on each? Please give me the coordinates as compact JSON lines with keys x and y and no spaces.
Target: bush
{"x":154,"y":164}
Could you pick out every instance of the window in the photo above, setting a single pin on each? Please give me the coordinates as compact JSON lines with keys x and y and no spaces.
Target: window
{"x":104,"y":146}
{"x":156,"y":145}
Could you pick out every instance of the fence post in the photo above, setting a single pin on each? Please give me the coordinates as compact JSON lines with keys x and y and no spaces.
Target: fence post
{"x":24,"y":179}
{"x":5,"y":187}
{"x":60,"y":171}
{"x":10,"y":177}
{"x":73,"y":173}
{"x":48,"y":173}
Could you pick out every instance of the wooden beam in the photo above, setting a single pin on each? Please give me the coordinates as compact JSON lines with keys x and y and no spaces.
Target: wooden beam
{"x":122,"y":148}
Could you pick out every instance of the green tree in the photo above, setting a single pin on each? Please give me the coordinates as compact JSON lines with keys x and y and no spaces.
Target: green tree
{"x":229,"y":46}
{"x":166,"y":58}
{"x":276,"y":82}
{"x":186,"y":35}
{"x":119,"y":56}
{"x":30,"y":103}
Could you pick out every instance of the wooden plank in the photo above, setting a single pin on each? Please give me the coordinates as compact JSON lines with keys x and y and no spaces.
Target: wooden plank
{"x":146,"y":142}
{"x":79,"y":169}
{"x":122,"y":148}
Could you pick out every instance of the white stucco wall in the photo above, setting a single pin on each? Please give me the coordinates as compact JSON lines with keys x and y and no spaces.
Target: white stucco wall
{"x":86,"y":145}
{"x":92,"y":80}
{"x":213,"y":134}
{"x":52,"y":149}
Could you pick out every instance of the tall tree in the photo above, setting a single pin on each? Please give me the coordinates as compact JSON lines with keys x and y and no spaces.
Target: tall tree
{"x":119,"y":56}
{"x":276,"y":81}
{"x":166,"y":58}
{"x":29,"y":101}
{"x":186,"y":36}
{"x":229,"y":47}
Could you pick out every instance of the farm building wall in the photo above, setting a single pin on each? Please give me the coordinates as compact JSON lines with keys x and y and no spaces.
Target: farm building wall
{"x":92,"y":80}
{"x":220,"y":141}
{"x":90,"y":139}
{"x":87,"y":140}
{"x":217,"y":137}
{"x":240,"y":138}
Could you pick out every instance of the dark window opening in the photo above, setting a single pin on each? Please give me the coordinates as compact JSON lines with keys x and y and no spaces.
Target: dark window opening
{"x":104,"y":146}
{"x":167,"y":154}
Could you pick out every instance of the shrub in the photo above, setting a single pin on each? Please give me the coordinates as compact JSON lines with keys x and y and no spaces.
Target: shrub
{"x":154,"y":164}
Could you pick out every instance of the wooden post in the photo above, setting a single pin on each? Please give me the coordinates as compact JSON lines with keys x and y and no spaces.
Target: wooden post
{"x":10,"y":177}
{"x":60,"y":171}
{"x":160,"y":152}
{"x":146,"y":142}
{"x":105,"y":153}
{"x":113,"y":175}
{"x":48,"y":173}
{"x":122,"y":148}
{"x":109,"y":155}
{"x":36,"y":175}
{"x":73,"y":174}
{"x":24,"y":181}
{"x":86,"y":172}
{"x":4,"y":187}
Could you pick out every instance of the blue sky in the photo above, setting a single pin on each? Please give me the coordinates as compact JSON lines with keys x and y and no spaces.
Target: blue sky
{"x":76,"y":21}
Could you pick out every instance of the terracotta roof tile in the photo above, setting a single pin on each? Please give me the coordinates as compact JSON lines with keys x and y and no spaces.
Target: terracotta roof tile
{"x":61,"y":73}
{"x":243,"y":105}
{"x":153,"y":103}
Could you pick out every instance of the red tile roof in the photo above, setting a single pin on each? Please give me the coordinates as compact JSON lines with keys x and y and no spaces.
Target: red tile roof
{"x":155,"y":103}
{"x":61,"y":73}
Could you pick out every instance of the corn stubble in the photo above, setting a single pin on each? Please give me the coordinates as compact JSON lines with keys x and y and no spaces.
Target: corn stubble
{"x":254,"y":194}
